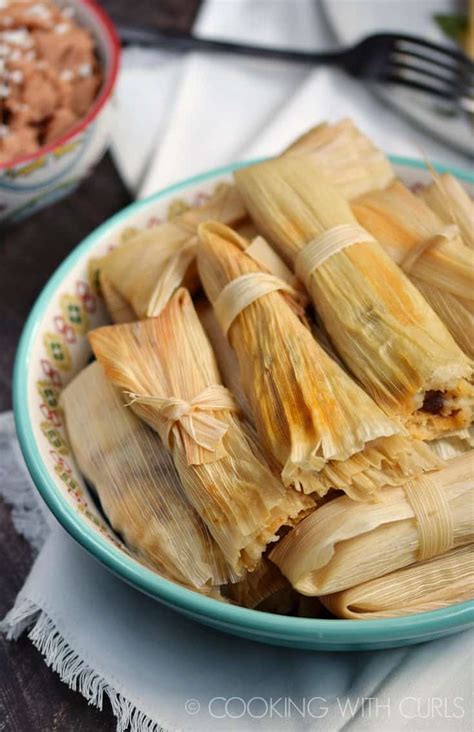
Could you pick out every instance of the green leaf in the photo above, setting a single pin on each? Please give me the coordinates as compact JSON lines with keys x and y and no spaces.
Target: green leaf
{"x":453,"y":26}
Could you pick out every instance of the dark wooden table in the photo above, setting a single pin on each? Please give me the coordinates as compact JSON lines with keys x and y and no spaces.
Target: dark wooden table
{"x":32,"y":699}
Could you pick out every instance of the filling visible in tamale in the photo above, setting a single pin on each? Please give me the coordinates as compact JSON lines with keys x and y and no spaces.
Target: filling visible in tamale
{"x":379,"y":323}
{"x":168,"y":368}
{"x":320,"y":426}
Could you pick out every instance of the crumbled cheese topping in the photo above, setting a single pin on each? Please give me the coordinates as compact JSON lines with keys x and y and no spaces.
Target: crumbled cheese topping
{"x":66,"y":75}
{"x":39,"y":11}
{"x":62,"y":28}
{"x":84,"y":70}
{"x":15,"y":76}
{"x":17,"y":37}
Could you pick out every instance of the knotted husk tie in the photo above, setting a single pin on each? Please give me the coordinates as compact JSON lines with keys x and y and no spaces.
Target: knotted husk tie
{"x":194,"y":416}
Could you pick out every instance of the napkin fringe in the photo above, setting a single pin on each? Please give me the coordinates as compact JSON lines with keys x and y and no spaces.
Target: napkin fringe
{"x":18,"y":490}
{"x":70,"y":667}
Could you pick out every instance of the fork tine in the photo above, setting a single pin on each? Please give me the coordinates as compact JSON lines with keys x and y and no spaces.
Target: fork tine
{"x":444,"y":92}
{"x":454,"y":81}
{"x":427,"y":59}
{"x":442,"y":50}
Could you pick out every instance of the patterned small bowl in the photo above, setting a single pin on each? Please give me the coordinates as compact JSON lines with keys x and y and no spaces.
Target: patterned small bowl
{"x":54,"y":347}
{"x":31,"y":182}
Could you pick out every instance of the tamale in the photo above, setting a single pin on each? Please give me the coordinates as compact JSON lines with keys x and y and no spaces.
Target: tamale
{"x":343,"y":543}
{"x":448,"y":199}
{"x":137,"y":483}
{"x":151,"y":264}
{"x":346,"y":156}
{"x":168,"y":367}
{"x":431,"y":253}
{"x":379,"y":323}
{"x":321,"y":427}
{"x":431,"y":585}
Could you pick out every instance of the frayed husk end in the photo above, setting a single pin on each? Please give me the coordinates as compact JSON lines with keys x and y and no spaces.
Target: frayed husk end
{"x":387,"y":461}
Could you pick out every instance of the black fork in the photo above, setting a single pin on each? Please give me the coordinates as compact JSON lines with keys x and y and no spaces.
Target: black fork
{"x":400,"y":59}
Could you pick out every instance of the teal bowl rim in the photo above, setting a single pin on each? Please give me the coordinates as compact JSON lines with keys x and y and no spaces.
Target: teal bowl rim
{"x":261,"y":624}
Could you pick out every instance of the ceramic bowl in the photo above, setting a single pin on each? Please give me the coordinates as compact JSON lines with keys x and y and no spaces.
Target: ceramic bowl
{"x":54,"y":348}
{"x":31,"y":182}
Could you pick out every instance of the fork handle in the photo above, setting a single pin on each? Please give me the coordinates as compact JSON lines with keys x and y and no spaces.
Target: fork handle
{"x":176,"y":41}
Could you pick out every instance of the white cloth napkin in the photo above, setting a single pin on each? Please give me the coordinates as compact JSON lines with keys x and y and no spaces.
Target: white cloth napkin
{"x":225,"y":108}
{"x":177,"y":117}
{"x":163,"y":672}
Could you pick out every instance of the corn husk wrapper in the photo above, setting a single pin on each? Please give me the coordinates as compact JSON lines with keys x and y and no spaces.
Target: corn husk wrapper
{"x":444,"y":270}
{"x":431,"y":585}
{"x":227,"y":361}
{"x":379,"y":323}
{"x":451,"y":202}
{"x":345,"y":543}
{"x":151,"y":264}
{"x":263,"y":589}
{"x":223,"y":472}
{"x":137,"y":484}
{"x":455,"y":444}
{"x":431,"y":253}
{"x":118,"y":308}
{"x":345,"y":156}
{"x":321,"y":427}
